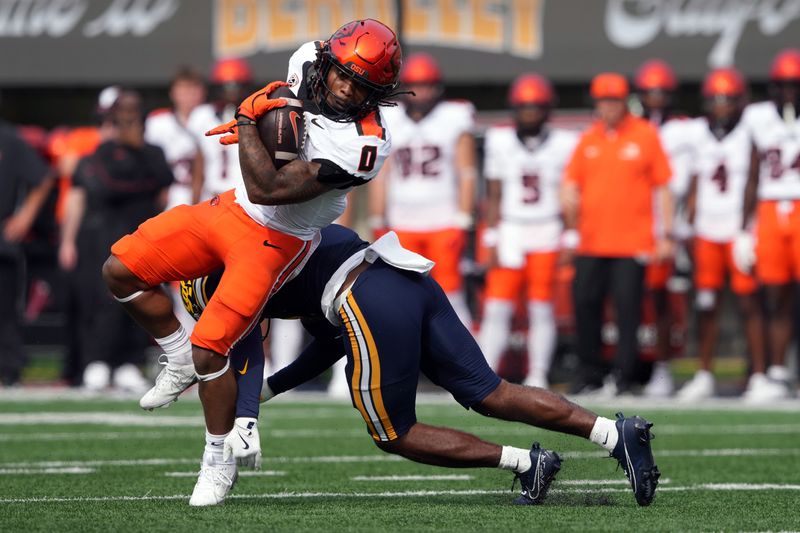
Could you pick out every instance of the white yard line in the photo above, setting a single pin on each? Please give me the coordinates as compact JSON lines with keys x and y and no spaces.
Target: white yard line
{"x":451,"y":477}
{"x":246,"y":473}
{"x":45,"y":471}
{"x":386,"y":458}
{"x":755,"y":487}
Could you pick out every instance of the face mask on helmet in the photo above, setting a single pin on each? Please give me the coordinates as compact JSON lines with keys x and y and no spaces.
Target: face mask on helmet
{"x":723,"y":112}
{"x":356,"y":71}
{"x":530,"y":119}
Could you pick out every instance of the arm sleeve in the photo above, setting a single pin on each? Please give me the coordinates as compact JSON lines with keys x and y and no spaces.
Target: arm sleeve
{"x":248,"y":355}
{"x":325,"y":349}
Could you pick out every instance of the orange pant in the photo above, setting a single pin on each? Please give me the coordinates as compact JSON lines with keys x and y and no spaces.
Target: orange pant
{"x":778,"y":242}
{"x":538,"y":275}
{"x":712,"y":260}
{"x":188,"y":242}
{"x":444,"y":248}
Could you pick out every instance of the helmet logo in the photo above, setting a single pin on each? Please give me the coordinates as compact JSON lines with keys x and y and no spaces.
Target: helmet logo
{"x":361,"y":71}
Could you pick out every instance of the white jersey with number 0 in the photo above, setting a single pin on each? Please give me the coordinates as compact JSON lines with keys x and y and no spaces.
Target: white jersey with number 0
{"x":358,"y":148}
{"x":721,"y":167}
{"x":778,"y":145}
{"x":163,"y":129}
{"x":422,"y":188}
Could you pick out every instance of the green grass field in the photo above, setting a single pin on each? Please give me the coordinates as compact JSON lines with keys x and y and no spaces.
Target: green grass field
{"x":105,"y":465}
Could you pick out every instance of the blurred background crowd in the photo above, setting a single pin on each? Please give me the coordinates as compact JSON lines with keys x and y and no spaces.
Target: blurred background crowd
{"x":600,"y":219}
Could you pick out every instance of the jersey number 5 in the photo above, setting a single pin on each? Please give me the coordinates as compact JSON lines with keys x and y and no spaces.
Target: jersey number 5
{"x":531,"y":194}
{"x":368,"y":156}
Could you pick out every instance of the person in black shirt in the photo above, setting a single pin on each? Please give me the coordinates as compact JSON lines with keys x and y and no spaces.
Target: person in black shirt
{"x":119,"y":186}
{"x":25,"y":182}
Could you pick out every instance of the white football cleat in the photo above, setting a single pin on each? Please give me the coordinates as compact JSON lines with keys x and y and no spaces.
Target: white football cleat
{"x":96,"y":376}
{"x":660,"y":384}
{"x":700,"y":387}
{"x":214,"y":482}
{"x":760,"y":388}
{"x":170,"y":383}
{"x":129,"y":378}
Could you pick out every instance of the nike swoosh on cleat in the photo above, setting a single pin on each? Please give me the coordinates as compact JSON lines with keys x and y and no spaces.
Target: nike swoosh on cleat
{"x":246,"y":446}
{"x":243,"y":371}
{"x":604,"y":442}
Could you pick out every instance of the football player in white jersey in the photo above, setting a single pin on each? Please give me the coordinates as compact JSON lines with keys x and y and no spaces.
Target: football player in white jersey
{"x":666,"y":291}
{"x":723,"y":159}
{"x":770,"y":237}
{"x":263,"y":231}
{"x":167,"y":128}
{"x":428,"y":194}
{"x":523,"y":166}
{"x":231,"y":80}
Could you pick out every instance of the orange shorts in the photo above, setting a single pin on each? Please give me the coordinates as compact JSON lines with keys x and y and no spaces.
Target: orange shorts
{"x":778,"y":242}
{"x":538,"y":275}
{"x":657,"y":274}
{"x":188,"y":242}
{"x":712,"y":260}
{"x":444,"y":248}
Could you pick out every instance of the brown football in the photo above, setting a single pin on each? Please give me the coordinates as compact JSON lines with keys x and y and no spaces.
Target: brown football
{"x":283,"y":130}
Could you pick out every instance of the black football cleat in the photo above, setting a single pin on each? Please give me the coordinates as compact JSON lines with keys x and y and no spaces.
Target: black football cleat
{"x":635,"y":456}
{"x":545,"y":464}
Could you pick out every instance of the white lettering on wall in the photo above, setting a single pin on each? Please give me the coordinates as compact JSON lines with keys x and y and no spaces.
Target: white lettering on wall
{"x":636,"y":23}
{"x":57,"y":18}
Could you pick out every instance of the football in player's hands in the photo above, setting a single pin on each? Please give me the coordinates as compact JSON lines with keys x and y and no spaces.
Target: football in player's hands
{"x":282,"y":130}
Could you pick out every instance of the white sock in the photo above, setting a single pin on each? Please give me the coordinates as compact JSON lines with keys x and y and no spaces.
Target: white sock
{"x":214,"y":447}
{"x":177,"y":347}
{"x":459,"y":303}
{"x":515,"y":459}
{"x":541,"y":338}
{"x":604,"y":433}
{"x":495,"y":330}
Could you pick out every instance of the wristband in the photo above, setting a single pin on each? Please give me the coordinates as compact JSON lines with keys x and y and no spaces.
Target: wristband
{"x":463,"y":220}
{"x":244,"y":121}
{"x":570,"y":239}
{"x":490,"y":237}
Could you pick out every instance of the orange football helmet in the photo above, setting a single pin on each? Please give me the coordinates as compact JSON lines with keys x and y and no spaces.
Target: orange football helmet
{"x":531,"y":89}
{"x":609,"y":85}
{"x":420,"y":68}
{"x":368,"y":52}
{"x":655,"y":74}
{"x":231,"y":71}
{"x":727,"y":82}
{"x":786,"y":66}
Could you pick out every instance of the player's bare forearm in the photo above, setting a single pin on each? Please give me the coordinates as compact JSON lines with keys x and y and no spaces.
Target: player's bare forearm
{"x":265,"y":185}
{"x":467,"y":173}
{"x":494,"y":193}
{"x":666,"y":207}
{"x":751,"y":190}
{"x":691,"y":200}
{"x":570,"y":198}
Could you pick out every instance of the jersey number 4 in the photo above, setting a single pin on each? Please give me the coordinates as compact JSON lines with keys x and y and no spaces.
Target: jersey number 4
{"x":720,"y":177}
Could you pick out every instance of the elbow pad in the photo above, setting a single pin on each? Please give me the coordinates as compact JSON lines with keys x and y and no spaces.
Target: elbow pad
{"x":330,"y":173}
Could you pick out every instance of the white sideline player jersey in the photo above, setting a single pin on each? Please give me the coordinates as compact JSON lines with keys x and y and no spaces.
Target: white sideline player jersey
{"x":721,"y":167}
{"x":422,"y":191}
{"x":530,"y":178}
{"x":358,"y":148}
{"x":778,"y":145}
{"x":677,"y":136}
{"x":220,"y":163}
{"x":163,"y":129}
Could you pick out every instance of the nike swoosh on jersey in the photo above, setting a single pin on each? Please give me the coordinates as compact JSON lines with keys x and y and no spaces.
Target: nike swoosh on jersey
{"x":317,"y":124}
{"x":243,"y":371}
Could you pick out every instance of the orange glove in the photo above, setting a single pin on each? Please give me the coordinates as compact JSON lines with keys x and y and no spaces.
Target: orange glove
{"x":252,"y":108}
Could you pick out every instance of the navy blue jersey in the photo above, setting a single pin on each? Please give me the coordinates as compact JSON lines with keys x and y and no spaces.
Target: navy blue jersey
{"x":301,"y":297}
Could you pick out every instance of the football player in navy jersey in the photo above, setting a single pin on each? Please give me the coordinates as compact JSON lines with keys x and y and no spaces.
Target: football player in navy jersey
{"x":376,"y":305}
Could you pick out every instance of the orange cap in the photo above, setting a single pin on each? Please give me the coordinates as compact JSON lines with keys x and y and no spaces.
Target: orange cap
{"x":530,"y":89}
{"x":655,"y":74}
{"x":420,"y":68}
{"x":723,"y":82}
{"x":786,"y":66}
{"x":232,"y":70}
{"x":609,"y":85}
